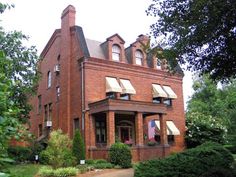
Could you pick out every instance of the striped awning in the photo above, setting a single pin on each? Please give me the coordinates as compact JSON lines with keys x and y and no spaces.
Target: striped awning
{"x":157,"y":91}
{"x":170,"y":93}
{"x":127,"y":86}
{"x":112,"y":85}
{"x":170,"y":127}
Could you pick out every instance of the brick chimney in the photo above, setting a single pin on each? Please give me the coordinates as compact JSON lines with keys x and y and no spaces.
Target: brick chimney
{"x":143,"y":38}
{"x":68,"y":17}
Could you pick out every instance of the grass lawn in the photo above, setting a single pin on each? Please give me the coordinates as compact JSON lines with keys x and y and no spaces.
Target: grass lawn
{"x":25,"y":170}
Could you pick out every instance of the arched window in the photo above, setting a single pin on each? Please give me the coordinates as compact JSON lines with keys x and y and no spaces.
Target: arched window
{"x":138,"y":57}
{"x":49,"y":79}
{"x":116,"y":53}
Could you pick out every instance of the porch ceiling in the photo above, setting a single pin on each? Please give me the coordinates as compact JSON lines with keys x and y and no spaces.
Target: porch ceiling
{"x":126,"y":105}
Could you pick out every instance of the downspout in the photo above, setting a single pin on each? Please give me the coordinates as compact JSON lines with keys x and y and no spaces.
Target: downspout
{"x":82,"y":94}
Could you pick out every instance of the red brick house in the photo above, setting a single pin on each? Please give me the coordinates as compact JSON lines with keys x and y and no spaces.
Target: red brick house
{"x":109,"y":92}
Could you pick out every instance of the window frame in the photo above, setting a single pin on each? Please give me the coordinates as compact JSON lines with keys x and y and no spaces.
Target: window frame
{"x":116,"y":52}
{"x":100,"y":129}
{"x":139,"y":57}
{"x":49,"y":79}
{"x":168,"y":102}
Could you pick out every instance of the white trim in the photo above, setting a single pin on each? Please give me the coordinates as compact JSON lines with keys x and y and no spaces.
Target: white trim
{"x":112,"y":85}
{"x":157,"y":91}
{"x":127,"y":86}
{"x":171,"y":94}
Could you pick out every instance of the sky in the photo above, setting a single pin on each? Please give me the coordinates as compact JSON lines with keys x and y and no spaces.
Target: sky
{"x":99,"y":19}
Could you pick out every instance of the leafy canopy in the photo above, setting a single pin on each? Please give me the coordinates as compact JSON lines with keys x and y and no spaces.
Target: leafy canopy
{"x":199,"y":32}
{"x":211,"y":112}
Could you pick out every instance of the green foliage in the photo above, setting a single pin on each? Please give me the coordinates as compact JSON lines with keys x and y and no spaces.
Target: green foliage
{"x":59,"y":151}
{"x":44,"y":157}
{"x":78,"y":147}
{"x":211,"y":112}
{"x":23,"y":170}
{"x":231,"y":148}
{"x":199,"y":32}
{"x":203,"y":128}
{"x":218,"y":172}
{"x":191,"y":163}
{"x":19,"y":153}
{"x":99,"y":163}
{"x":60,"y":172}
{"x":120,"y":154}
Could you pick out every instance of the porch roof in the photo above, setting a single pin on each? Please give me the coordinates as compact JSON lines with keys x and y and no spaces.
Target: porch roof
{"x":127,"y":105}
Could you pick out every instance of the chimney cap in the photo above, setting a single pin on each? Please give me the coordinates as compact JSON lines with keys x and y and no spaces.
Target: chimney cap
{"x":69,"y":8}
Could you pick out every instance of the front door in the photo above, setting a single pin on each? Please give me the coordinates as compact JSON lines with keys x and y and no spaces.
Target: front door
{"x":124,"y":133}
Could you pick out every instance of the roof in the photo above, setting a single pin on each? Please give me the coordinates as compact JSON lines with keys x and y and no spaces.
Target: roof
{"x":95,"y":49}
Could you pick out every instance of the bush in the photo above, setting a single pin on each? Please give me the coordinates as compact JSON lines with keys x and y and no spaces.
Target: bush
{"x":44,"y":157}
{"x":78,"y":147}
{"x":60,"y":172}
{"x":218,"y":172}
{"x":59,"y":151}
{"x":103,"y":165}
{"x":191,"y":163}
{"x":120,"y":154}
{"x":19,"y":153}
{"x":231,"y":148}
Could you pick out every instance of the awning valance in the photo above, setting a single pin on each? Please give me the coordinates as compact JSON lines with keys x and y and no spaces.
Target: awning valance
{"x":170,"y":127}
{"x":170,"y":92}
{"x":157,"y":91}
{"x":112,"y":85}
{"x":127,"y":86}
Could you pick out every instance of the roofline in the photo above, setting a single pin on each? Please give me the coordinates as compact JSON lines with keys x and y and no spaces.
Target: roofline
{"x":50,"y":42}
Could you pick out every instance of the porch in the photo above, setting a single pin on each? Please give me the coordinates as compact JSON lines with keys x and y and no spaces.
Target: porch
{"x":112,"y":120}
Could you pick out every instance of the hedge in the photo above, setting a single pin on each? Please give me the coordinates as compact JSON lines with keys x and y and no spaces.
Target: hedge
{"x":190,"y":163}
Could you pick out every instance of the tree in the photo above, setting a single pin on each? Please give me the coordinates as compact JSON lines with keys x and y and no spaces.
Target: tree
{"x":23,"y":70}
{"x":199,"y":32}
{"x":211,"y":112}
{"x":59,"y":150}
{"x":78,"y":147}
{"x":9,"y":125}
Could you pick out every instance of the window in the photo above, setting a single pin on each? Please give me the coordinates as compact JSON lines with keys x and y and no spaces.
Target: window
{"x":111,"y":95}
{"x":45,"y":113}
{"x":49,"y":79}
{"x":76,"y":124}
{"x":58,"y":93}
{"x":156,"y":100}
{"x":116,"y":53}
{"x":100,"y":132}
{"x":39,"y":104}
{"x":158,"y":64}
{"x":171,"y":139}
{"x":50,"y":112}
{"x":138,"y":57}
{"x":168,"y":101}
{"x":124,"y":96}
{"x":40,"y":130}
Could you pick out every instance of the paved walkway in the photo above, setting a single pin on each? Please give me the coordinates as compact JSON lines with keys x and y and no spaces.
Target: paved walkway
{"x":109,"y":173}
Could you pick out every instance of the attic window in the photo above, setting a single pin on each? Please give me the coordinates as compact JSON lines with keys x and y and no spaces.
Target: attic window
{"x":116,"y":53}
{"x":138,"y":57}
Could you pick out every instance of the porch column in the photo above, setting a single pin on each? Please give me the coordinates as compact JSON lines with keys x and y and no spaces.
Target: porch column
{"x":92,"y":131}
{"x":163,"y":131}
{"x":110,"y":119}
{"x":139,"y":128}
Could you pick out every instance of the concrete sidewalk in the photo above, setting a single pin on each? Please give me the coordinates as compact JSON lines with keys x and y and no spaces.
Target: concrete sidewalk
{"x":110,"y":173}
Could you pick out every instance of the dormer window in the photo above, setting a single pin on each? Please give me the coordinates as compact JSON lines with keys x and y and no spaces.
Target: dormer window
{"x":116,"y":52}
{"x":138,"y":57}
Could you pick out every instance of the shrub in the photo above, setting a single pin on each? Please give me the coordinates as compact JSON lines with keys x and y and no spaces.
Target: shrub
{"x":58,"y":151}
{"x":60,"y":172}
{"x":78,"y":147}
{"x":191,"y":163}
{"x":217,"y":172}
{"x":44,"y":157}
{"x":103,"y":165}
{"x":120,"y":154}
{"x":231,"y":148}
{"x":19,"y":153}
